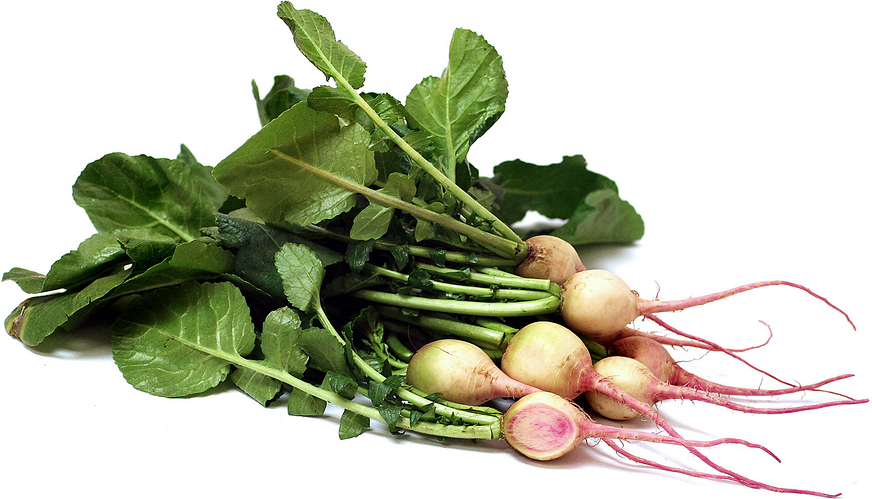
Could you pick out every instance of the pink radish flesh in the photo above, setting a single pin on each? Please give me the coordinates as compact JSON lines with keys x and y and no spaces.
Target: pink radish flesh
{"x":462,"y":373}
{"x":545,"y":426}
{"x":549,"y":257}
{"x":542,"y":428}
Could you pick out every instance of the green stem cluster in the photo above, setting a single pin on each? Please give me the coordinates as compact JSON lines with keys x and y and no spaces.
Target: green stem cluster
{"x":482,"y":427}
{"x":473,"y":423}
{"x":514,"y":250}
{"x":486,"y":292}
{"x":457,"y":257}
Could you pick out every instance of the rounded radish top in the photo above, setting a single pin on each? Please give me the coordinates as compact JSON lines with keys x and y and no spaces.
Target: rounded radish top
{"x":548,"y":356}
{"x":598,"y":304}
{"x":549,"y":257}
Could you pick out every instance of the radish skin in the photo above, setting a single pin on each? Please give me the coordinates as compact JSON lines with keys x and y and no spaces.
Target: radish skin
{"x":462,"y":372}
{"x":693,"y":342}
{"x":636,"y":379}
{"x":599,"y":304}
{"x":549,"y":257}
{"x":708,"y":345}
{"x":657,"y":359}
{"x":689,"y":340}
{"x":552,"y":358}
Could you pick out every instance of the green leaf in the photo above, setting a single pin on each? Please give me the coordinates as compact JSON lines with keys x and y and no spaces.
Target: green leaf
{"x":358,"y":254}
{"x":602,"y":218}
{"x":172,"y":197}
{"x":553,"y":190}
{"x":438,"y":257}
{"x":285,"y":343}
{"x":326,"y":352}
{"x":332,"y":100}
{"x":146,"y":247}
{"x":458,"y":107}
{"x":202,"y":256}
{"x":261,"y":388}
{"x":374,"y":221}
{"x":82,"y":264}
{"x":74,"y":269}
{"x":415,"y":416}
{"x":391,"y":414}
{"x":402,"y":255}
{"x":342,"y":384}
{"x":348,"y":283}
{"x":192,"y":261}
{"x":296,"y":168}
{"x":38,"y":317}
{"x":316,"y":40}
{"x":302,"y":274}
{"x":279,"y":343}
{"x":388,"y":107}
{"x":393,"y":113}
{"x":345,"y":105}
{"x":256,"y":245}
{"x":420,"y":279}
{"x":380,"y":391}
{"x":301,"y":403}
{"x":186,"y":156}
{"x":424,"y":230}
{"x":41,"y":316}
{"x":182,"y":340}
{"x":29,"y":281}
{"x":352,"y":424}
{"x":282,"y":96}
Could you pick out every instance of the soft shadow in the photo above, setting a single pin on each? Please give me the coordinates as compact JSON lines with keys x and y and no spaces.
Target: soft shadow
{"x":603,"y":256}
{"x":93,"y":340}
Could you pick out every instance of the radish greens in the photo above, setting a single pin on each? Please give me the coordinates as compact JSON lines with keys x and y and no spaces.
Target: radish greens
{"x":346,"y":239}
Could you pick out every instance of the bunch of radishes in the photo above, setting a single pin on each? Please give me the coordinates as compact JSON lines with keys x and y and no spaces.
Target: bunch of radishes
{"x":547,"y":367}
{"x":312,"y":170}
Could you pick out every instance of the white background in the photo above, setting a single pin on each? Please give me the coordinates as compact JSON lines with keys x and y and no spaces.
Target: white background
{"x":739,"y":130}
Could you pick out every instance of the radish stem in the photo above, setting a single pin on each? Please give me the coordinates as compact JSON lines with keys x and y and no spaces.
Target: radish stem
{"x":459,"y":257}
{"x":499,"y":245}
{"x":493,"y":309}
{"x":497,"y":293}
{"x":482,"y":336}
{"x":413,"y":398}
